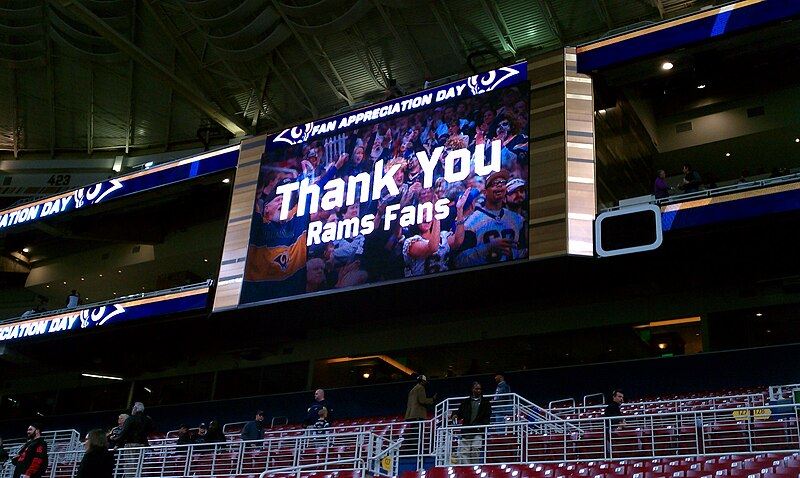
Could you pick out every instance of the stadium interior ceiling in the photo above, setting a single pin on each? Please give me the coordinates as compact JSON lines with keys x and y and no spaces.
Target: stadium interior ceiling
{"x":85,"y":80}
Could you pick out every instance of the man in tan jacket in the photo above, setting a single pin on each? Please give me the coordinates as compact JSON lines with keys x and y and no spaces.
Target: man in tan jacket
{"x":415,"y":412}
{"x":418,"y":400}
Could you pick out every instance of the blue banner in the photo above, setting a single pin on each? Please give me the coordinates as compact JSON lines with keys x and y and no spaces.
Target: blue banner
{"x":161,"y":175}
{"x":473,"y":86}
{"x":106,"y":314}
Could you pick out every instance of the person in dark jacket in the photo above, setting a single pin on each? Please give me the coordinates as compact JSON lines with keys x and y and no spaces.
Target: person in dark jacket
{"x":473,"y":410}
{"x":3,"y":453}
{"x":215,"y":434}
{"x":184,"y":435}
{"x":254,"y":430}
{"x":136,"y":428}
{"x":31,"y":460}
{"x":97,"y":462}
{"x":613,"y":410}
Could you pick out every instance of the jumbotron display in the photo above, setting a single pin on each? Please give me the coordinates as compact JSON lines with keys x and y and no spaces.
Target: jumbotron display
{"x":431,"y":182}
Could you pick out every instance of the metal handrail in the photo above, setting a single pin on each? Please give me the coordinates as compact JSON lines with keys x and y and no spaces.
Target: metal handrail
{"x":719,"y":191}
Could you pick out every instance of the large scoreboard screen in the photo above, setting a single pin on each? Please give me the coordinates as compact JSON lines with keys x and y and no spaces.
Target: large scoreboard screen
{"x":432,"y":182}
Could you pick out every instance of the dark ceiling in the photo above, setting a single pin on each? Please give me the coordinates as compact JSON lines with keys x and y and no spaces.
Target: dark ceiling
{"x":90,"y":78}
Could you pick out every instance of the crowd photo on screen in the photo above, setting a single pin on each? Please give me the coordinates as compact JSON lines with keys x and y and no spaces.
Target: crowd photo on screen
{"x":411,"y":211}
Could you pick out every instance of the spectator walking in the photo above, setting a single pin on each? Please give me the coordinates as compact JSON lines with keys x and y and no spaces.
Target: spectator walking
{"x":473,"y":410}
{"x":613,"y":410}
{"x":418,"y":400}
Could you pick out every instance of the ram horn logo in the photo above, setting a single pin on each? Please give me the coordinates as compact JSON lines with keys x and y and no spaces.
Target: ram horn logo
{"x":488,"y":81}
{"x":100,"y":315}
{"x":298,"y":134}
{"x":79,"y":197}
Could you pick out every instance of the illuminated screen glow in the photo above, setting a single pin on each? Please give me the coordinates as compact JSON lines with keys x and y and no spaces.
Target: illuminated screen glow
{"x":427,"y":183}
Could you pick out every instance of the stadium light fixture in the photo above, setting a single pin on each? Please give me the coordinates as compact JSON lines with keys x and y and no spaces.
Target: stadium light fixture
{"x":662,"y":323}
{"x":104,"y":377}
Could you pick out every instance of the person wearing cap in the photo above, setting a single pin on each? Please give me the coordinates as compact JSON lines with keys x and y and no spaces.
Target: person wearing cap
{"x":254,"y":429}
{"x":517,"y":197}
{"x":493,"y":233}
{"x":416,"y":411}
{"x":201,"y":435}
{"x":418,"y":401}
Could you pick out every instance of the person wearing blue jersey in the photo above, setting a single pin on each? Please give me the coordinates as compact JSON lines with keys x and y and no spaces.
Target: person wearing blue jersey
{"x":277,"y":252}
{"x":493,"y":233}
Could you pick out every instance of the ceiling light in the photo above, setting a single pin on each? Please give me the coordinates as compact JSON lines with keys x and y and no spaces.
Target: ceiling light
{"x":65,"y":282}
{"x":365,"y":375}
{"x":83,"y":278}
{"x":701,"y":86}
{"x":147,"y":390}
{"x":759,"y":314}
{"x":662,"y":345}
{"x":26,"y":250}
{"x":797,"y":140}
{"x":662,"y":323}
{"x":104,"y":377}
{"x":226,"y":180}
{"x":667,"y":65}
{"x":727,"y":155}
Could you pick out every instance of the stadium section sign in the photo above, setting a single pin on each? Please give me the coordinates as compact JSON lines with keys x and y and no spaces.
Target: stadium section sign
{"x":426,"y":183}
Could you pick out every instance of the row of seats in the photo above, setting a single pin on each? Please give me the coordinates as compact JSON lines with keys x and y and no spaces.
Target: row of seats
{"x":664,"y":441}
{"x":750,"y":466}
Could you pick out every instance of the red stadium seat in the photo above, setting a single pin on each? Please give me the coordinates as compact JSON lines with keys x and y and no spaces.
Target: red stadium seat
{"x":625,"y":443}
{"x":726,"y":438}
{"x":546,"y":447}
{"x":769,"y":435}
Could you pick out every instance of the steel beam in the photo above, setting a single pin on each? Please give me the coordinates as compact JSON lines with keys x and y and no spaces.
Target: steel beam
{"x":91,"y":20}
